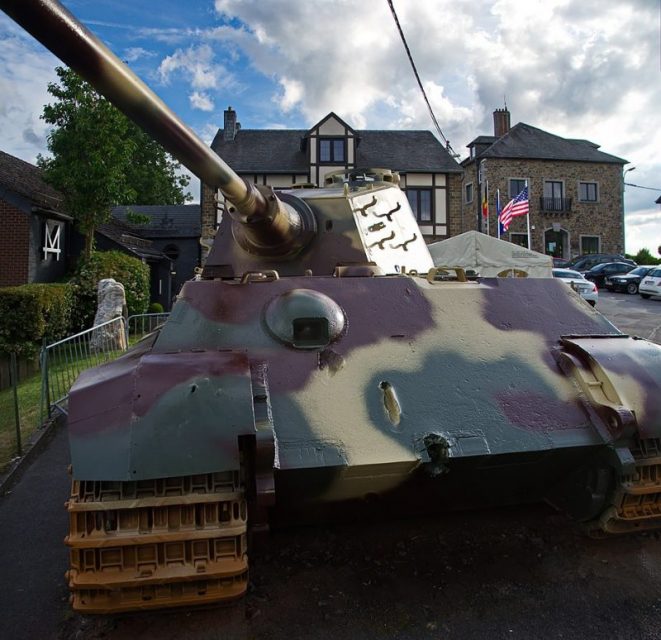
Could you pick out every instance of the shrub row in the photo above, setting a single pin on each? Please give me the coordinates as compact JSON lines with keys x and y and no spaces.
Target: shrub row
{"x":131,"y":272}
{"x":32,"y":312}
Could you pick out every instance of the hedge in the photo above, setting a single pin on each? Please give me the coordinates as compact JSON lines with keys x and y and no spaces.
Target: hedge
{"x":131,"y":272}
{"x":32,"y":312}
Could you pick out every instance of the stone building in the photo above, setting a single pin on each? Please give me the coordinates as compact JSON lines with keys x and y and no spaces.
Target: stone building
{"x":575,"y":190}
{"x":282,"y":158}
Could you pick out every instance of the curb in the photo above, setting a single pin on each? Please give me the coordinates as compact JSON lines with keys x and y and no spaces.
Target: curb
{"x":34,"y":446}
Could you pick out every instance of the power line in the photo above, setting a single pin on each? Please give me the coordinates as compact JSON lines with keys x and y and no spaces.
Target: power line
{"x":417,"y":77}
{"x":628,"y":184}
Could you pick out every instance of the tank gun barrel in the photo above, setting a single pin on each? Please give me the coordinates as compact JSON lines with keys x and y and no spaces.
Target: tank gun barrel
{"x":270,"y":225}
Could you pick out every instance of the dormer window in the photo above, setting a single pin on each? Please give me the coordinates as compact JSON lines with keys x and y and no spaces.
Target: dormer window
{"x":332,"y":150}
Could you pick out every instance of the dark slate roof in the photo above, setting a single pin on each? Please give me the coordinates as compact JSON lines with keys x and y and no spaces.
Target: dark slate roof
{"x":25,"y":179}
{"x":263,"y":151}
{"x":404,"y":151}
{"x":280,"y":151}
{"x":527,"y":142}
{"x":126,"y":236}
{"x":483,"y":140}
{"x":167,"y":221}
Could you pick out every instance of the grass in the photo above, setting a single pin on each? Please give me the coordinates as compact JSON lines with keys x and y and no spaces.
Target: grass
{"x":29,"y":397}
{"x":66,"y":362}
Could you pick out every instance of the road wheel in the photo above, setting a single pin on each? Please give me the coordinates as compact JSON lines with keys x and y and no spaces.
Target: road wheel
{"x":645,"y":295}
{"x":632,"y":288}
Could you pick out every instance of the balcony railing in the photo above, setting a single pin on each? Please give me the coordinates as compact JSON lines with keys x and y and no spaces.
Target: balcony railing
{"x":555,"y":205}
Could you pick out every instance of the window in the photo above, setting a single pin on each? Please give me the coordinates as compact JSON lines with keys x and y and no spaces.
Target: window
{"x":468,"y":195}
{"x":553,"y":189}
{"x":589,"y":244}
{"x":51,"y":240}
{"x":420,"y":201}
{"x":517,"y":185}
{"x":171,"y":251}
{"x":587,"y":191}
{"x":331,"y":150}
{"x":520,"y":239}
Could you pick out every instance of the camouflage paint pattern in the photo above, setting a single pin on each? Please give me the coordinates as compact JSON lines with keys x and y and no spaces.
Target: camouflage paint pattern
{"x":353,"y":378}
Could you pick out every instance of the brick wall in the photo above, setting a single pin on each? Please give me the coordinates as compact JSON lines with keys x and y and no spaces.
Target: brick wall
{"x":602,"y":218}
{"x":455,"y":223}
{"x":208,"y":210}
{"x":14,"y":245}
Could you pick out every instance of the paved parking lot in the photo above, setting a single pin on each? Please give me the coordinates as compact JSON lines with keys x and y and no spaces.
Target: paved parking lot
{"x":632,"y":314}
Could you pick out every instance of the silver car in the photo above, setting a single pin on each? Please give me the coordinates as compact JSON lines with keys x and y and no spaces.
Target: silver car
{"x":586,"y":289}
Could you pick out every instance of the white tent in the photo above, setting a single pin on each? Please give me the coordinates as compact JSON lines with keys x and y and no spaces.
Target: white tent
{"x":489,"y":256}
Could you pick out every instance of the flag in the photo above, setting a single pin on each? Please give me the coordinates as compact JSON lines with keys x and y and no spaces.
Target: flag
{"x":500,"y":224}
{"x":516,"y":207}
{"x":485,"y":205}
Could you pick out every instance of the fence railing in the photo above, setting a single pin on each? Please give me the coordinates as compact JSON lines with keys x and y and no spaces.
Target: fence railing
{"x":64,"y":360}
{"x":142,"y":324}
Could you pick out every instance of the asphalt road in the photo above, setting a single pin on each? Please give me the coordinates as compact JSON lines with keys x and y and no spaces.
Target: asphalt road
{"x":632,"y":314}
{"x":512,"y":573}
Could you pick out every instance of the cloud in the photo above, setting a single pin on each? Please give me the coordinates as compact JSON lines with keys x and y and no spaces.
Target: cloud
{"x":201,"y":101}
{"x":136,"y":53}
{"x":195,"y":63}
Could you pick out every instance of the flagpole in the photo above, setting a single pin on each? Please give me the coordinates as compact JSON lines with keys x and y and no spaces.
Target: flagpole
{"x":528,"y":217}
{"x":498,"y":211}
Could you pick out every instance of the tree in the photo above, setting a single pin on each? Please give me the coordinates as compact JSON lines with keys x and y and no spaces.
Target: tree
{"x":101,"y":159}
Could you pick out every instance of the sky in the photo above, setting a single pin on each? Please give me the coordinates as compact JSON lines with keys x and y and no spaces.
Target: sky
{"x":578,"y":68}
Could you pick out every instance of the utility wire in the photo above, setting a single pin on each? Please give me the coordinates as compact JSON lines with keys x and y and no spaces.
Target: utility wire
{"x":628,"y":184}
{"x":417,"y":77}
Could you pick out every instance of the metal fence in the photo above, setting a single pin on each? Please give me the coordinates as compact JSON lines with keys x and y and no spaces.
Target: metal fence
{"x":64,"y":360}
{"x":140,"y":325}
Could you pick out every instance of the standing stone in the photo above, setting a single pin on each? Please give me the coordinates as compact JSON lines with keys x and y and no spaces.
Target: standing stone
{"x":111,"y":303}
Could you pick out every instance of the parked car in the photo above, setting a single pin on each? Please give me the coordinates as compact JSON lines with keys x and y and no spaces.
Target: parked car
{"x":560,"y":262}
{"x":587,"y":290}
{"x":650,"y":285}
{"x":599,"y":272}
{"x":585,"y":262}
{"x":627,"y":281}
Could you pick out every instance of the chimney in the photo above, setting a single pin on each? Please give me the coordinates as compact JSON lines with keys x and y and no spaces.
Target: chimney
{"x":501,"y":122}
{"x":231,"y":125}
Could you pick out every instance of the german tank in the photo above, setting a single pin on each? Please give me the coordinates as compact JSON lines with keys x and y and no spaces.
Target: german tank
{"x":320,"y":364}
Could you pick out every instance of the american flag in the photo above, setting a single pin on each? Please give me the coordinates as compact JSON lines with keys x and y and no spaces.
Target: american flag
{"x":515,"y":207}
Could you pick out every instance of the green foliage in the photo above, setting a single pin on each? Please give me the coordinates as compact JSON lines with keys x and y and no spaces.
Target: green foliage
{"x":100,"y":158}
{"x":131,"y":272}
{"x":32,"y":312}
{"x":644,"y":256}
{"x":134,"y":217}
{"x":155,"y":307}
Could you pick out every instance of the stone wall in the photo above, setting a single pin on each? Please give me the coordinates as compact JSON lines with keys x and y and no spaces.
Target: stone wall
{"x":602,"y":218}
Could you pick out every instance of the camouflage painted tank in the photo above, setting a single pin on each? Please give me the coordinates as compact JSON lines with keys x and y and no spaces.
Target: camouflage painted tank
{"x":320,"y":363}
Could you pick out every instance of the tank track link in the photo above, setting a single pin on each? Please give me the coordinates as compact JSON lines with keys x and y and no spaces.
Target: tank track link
{"x":636,"y":504}
{"x":154,"y":544}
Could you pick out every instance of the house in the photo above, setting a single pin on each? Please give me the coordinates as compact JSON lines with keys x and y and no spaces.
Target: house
{"x":35,"y":231}
{"x":174,"y":230}
{"x":284,"y":158}
{"x":575,"y":189}
{"x":39,"y":242}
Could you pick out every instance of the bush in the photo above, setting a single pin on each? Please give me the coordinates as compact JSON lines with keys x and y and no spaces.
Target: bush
{"x":131,"y":272}
{"x":32,"y":312}
{"x":155,"y":307}
{"x":644,"y":256}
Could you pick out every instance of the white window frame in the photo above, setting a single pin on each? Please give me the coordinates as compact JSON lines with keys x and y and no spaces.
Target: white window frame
{"x":466,"y":200}
{"x":52,"y":239}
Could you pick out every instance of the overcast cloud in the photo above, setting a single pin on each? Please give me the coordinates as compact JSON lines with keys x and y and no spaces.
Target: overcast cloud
{"x":577,"y":68}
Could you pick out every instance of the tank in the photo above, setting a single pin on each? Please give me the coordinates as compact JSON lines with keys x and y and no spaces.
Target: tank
{"x":321,"y":367}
